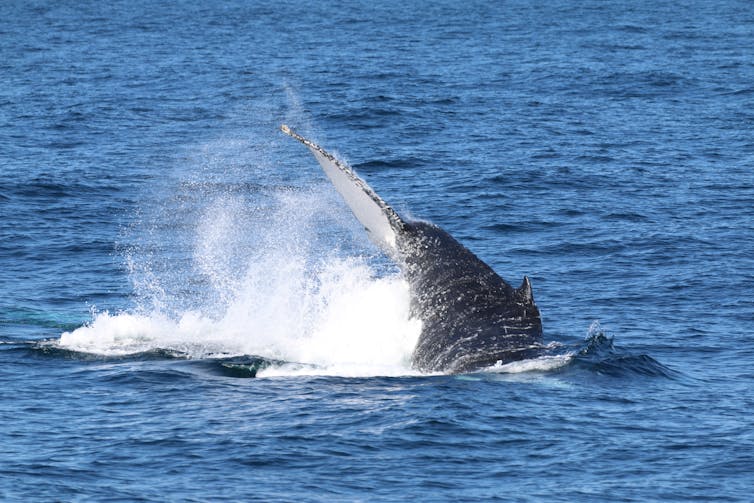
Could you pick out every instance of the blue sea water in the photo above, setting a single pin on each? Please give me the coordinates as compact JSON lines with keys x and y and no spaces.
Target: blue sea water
{"x":162,"y":243}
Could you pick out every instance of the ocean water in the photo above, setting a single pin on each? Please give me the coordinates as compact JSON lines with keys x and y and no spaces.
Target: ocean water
{"x":188,"y":311}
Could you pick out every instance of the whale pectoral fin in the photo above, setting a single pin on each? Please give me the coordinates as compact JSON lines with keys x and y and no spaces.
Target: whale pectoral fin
{"x":381,"y":222}
{"x":525,"y":290}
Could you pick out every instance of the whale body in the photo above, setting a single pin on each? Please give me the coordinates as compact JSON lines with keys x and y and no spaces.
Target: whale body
{"x":471,"y":317}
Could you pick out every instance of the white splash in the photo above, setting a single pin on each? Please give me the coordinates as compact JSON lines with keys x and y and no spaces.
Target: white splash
{"x":285,"y":293}
{"x":539,"y":364}
{"x":347,"y":322}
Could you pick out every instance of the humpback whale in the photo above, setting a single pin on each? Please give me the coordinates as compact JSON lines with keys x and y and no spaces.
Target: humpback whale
{"x":471,"y":317}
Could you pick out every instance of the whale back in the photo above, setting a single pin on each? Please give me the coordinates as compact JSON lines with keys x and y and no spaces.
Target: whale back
{"x":471,"y":317}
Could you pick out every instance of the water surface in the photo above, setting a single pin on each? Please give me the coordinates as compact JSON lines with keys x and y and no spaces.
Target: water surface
{"x":161,"y":242}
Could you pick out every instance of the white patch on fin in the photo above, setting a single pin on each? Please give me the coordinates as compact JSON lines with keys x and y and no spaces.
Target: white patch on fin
{"x":378,"y":218}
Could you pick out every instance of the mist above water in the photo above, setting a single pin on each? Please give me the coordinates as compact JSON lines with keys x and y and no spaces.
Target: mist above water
{"x":224,"y":267}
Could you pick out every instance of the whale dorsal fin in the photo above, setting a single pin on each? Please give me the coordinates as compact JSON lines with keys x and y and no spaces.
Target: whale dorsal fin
{"x":381,"y":222}
{"x":525,"y":290}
